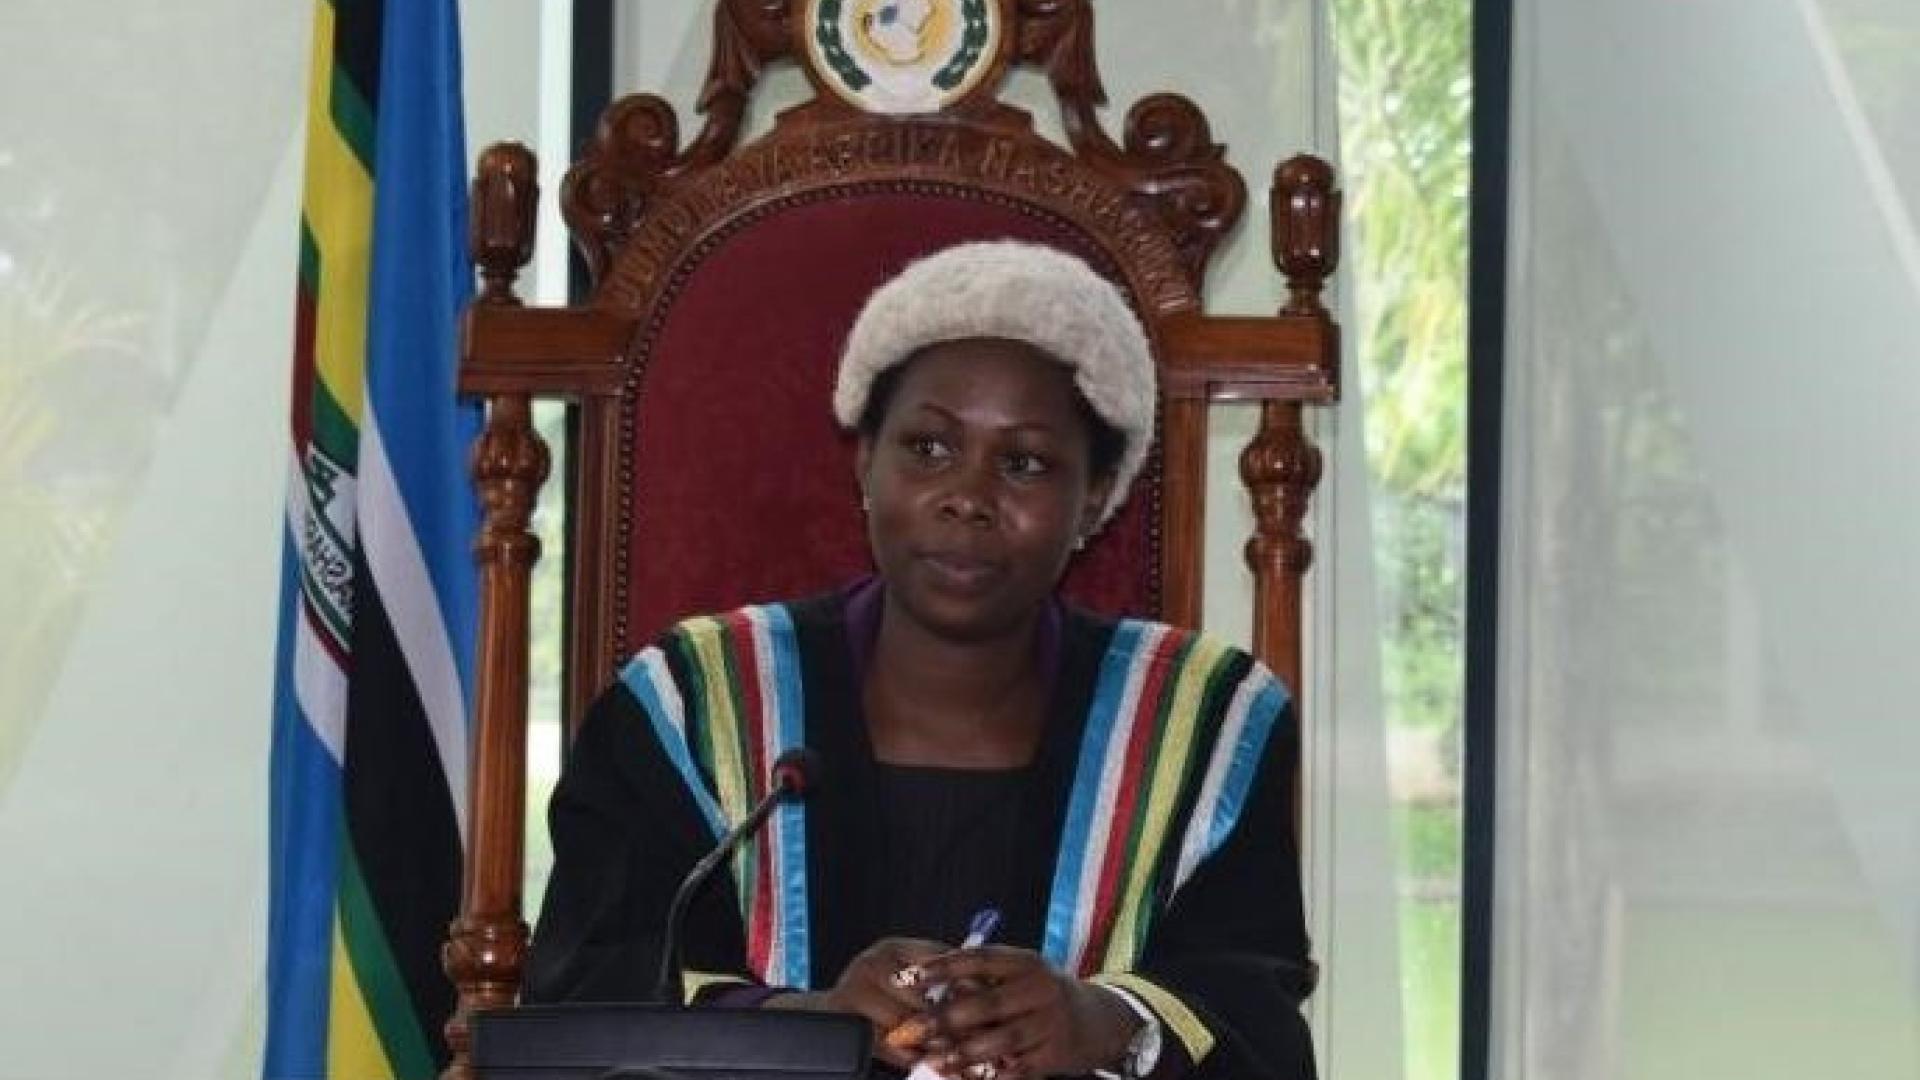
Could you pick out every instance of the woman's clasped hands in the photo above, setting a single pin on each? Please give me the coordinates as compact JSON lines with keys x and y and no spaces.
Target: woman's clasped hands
{"x":1007,"y":1014}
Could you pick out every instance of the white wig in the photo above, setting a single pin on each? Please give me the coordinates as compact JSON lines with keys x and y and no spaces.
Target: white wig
{"x":1024,"y":292}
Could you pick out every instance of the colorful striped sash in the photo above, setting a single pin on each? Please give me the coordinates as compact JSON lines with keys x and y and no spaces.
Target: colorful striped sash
{"x":1171,"y":726}
{"x":741,"y":707}
{"x":1172,"y":743}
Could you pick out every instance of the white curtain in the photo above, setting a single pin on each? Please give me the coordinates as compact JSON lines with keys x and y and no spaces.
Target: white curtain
{"x":1708,"y":828}
{"x":150,"y":170}
{"x":147,"y":244}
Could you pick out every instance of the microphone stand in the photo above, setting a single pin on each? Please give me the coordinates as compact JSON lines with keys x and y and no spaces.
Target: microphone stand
{"x":665,"y":988}
{"x":663,"y":1040}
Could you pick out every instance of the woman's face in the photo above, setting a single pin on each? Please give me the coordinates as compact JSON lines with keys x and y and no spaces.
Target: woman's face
{"x":978,"y":483}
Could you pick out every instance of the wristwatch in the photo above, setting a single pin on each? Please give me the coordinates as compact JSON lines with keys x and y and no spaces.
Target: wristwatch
{"x":1143,"y":1047}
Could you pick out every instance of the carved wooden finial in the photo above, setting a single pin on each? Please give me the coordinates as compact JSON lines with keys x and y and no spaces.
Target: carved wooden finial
{"x":500,"y":226}
{"x":1306,"y":230}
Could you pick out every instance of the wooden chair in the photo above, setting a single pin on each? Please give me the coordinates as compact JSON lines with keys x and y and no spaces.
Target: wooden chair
{"x":708,"y":471}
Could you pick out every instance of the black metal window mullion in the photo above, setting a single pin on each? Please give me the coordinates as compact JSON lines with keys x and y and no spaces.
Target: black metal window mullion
{"x":590,"y":91}
{"x":1486,"y":370}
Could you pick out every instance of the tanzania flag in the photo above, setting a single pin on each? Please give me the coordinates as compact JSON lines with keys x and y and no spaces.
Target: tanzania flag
{"x":378,"y":590}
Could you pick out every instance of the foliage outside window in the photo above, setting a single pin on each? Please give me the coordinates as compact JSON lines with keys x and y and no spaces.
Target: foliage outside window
{"x":1405,"y":109}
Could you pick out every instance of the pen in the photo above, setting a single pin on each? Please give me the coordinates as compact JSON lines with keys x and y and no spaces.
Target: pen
{"x":985,"y":922}
{"x":911,"y":1032}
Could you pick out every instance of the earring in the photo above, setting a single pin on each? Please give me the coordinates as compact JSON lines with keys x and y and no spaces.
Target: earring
{"x":866,"y":504}
{"x":1080,"y":542}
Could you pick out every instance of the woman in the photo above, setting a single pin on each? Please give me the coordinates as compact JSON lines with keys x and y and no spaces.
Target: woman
{"x":1119,"y":792}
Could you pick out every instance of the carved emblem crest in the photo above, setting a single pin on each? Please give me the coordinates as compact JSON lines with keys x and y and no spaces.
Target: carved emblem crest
{"x":902,"y":56}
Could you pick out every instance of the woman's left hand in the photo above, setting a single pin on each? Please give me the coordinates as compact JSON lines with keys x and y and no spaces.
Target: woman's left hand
{"x":1017,"y":1015}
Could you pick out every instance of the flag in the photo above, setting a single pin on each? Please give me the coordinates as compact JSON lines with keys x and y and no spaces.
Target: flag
{"x":378,"y":588}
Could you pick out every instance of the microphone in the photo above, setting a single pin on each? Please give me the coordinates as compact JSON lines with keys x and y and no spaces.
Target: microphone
{"x":795,"y":775}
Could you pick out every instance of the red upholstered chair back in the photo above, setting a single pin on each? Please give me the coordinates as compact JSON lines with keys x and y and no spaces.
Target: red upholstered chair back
{"x":741,"y":485}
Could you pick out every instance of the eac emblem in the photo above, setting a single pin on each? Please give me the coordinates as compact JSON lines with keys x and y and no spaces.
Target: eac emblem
{"x":902,"y":56}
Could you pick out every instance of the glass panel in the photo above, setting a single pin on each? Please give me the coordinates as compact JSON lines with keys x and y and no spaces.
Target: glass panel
{"x":1405,"y":102}
{"x":1708,"y":840}
{"x":546,"y":738}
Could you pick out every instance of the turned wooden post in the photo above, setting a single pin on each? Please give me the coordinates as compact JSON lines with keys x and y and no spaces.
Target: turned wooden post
{"x":1281,"y":467}
{"x":487,"y":943}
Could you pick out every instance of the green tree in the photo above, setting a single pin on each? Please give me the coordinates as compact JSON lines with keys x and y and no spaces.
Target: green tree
{"x":1405,"y":107}
{"x":1406,"y":101}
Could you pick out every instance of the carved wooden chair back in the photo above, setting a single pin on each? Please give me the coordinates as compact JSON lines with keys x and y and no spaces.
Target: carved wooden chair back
{"x":707,"y":472}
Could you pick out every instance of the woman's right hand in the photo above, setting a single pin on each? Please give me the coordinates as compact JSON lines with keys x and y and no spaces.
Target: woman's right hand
{"x":869,"y":988}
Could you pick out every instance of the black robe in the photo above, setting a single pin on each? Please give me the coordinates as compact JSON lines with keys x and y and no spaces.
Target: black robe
{"x":1222,"y":952}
